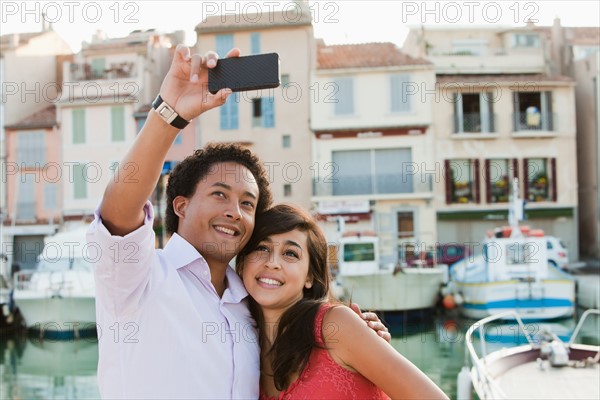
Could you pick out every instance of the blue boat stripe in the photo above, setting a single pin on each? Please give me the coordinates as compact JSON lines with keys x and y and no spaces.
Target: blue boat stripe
{"x":534,"y":303}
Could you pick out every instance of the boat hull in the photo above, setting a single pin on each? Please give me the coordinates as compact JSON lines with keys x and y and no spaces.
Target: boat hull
{"x":548,"y":299}
{"x":58,"y":316}
{"x":408,"y":289}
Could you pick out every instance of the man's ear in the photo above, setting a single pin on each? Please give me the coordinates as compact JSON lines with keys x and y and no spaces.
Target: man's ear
{"x":180,"y":205}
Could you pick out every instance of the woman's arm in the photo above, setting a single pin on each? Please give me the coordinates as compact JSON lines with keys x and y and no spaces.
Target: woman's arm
{"x":353,"y":344}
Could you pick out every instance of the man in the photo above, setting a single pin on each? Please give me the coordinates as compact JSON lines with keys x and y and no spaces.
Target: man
{"x":174,"y":323}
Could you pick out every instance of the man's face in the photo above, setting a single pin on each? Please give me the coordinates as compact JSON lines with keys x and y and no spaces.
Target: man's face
{"x":219,"y":217}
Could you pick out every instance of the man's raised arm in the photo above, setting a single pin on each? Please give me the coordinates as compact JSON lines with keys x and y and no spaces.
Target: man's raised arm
{"x":185,"y":89}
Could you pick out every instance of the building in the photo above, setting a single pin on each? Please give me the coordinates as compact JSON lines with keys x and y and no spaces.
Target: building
{"x":273,"y":123}
{"x":111,"y":83}
{"x":30,"y":85}
{"x":503,"y":111}
{"x":371,"y":143}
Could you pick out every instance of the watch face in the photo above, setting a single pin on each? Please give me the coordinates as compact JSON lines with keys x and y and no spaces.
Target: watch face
{"x":165,"y":112}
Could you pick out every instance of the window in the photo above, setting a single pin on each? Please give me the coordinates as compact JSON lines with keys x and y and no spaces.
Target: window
{"x":399,"y":101}
{"x":344,"y":96}
{"x":31,"y":149}
{"x":51,"y":196}
{"x":462,"y":181}
{"x":229,"y":112}
{"x":285,"y":80}
{"x":224,"y":44}
{"x":499,"y":175}
{"x":473,"y":112}
{"x":286,"y":141}
{"x":533,"y":111}
{"x":371,"y":172}
{"x":406,"y":225}
{"x":359,"y":252}
{"x":139,"y":124}
{"x":540,"y":179}
{"x":78,"y":115}
{"x":117,"y":117}
{"x":263,"y":110}
{"x":26,"y":201}
{"x":526,"y":40}
{"x":254,"y":43}
{"x":98,"y":68}
{"x":79,"y":182}
{"x":287,"y":190}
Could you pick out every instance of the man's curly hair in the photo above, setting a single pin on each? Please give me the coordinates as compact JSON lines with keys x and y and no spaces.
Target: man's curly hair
{"x":185,"y":176}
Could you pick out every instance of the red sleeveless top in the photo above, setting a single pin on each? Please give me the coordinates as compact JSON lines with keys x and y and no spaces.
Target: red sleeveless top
{"x":323,"y":378}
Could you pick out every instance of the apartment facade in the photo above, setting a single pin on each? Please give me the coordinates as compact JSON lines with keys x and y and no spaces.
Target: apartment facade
{"x":112,"y":83}
{"x":503,"y":111}
{"x":30,"y":84}
{"x":370,"y":144}
{"x":273,"y":123}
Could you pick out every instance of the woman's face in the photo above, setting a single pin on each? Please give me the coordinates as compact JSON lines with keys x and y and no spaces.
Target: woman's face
{"x":276,"y":271}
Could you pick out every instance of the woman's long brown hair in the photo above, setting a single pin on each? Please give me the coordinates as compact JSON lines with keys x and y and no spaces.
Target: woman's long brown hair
{"x":295,"y":333}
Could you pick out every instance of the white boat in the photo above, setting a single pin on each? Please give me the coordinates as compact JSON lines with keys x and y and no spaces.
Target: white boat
{"x":544,"y":368}
{"x":513,"y":273}
{"x":58,"y":297}
{"x":384,"y":287}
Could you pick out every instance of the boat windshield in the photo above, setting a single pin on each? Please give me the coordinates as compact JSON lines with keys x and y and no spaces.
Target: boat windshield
{"x":359,"y":252}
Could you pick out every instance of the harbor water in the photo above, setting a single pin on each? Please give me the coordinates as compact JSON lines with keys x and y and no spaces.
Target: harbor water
{"x":31,"y":368}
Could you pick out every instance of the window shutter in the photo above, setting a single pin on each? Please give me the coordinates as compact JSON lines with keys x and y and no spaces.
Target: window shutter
{"x":255,"y":43}
{"x":526,"y":178}
{"x":477,"y":194}
{"x":488,"y":188}
{"x":553,"y":182}
{"x":268,"y":110}
{"x":448,"y":177}
{"x":457,"y":114}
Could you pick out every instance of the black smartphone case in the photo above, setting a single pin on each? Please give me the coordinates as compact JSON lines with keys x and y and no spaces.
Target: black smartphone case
{"x":245,"y":73}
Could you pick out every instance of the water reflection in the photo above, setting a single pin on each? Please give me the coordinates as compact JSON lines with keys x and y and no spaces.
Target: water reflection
{"x":34,"y":369}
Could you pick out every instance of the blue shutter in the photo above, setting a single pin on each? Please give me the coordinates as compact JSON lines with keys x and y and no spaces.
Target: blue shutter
{"x":344,"y":96}
{"x":224,"y":44}
{"x":399,"y":101}
{"x":255,"y":43}
{"x":229,"y":112}
{"x":268,"y":112}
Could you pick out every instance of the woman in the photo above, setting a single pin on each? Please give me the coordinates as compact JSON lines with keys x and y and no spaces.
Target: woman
{"x":312,"y":347}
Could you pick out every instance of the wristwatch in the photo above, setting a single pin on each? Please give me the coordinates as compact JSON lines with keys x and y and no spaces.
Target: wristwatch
{"x":168,"y":114}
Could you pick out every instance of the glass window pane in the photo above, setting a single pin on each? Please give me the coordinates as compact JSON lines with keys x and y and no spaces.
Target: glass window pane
{"x":353,"y":172}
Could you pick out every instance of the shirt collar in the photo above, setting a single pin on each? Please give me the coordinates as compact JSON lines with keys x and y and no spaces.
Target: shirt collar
{"x":180,"y":253}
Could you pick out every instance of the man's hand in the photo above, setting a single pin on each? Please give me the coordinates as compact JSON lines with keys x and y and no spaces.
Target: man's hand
{"x":185,"y":87}
{"x":373,"y":322}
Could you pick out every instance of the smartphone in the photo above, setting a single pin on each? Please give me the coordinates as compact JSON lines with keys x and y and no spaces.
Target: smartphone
{"x":245,"y":73}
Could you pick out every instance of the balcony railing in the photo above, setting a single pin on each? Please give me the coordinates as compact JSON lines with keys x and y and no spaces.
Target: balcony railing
{"x":534,"y":121}
{"x":475,"y":123}
{"x":85,"y":72}
{"x":349,"y":185}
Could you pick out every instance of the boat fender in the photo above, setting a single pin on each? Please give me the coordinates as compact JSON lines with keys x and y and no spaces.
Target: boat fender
{"x":448,"y":302}
{"x":559,"y":356}
{"x":463,"y":384}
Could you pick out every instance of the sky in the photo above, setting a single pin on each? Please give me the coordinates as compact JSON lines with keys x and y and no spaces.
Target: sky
{"x":341,"y":21}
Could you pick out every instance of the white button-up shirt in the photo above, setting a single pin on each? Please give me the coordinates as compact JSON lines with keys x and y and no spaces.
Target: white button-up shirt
{"x":163,"y":331}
